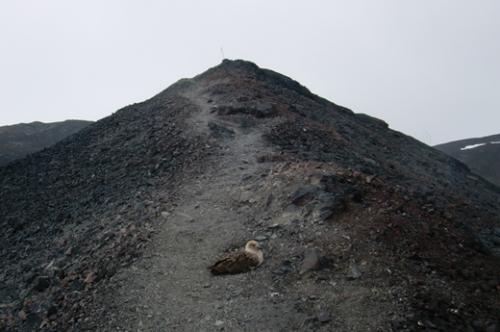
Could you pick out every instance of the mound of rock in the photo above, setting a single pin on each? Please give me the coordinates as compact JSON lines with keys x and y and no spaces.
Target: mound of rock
{"x":363,"y":227}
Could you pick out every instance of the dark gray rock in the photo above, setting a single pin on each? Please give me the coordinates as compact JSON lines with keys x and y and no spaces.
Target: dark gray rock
{"x":285,"y":268}
{"x":261,"y":237}
{"x":41,"y":283}
{"x":219,"y":131}
{"x":354,"y":272}
{"x":304,"y":194}
{"x":311,"y":260}
{"x":324,"y":317}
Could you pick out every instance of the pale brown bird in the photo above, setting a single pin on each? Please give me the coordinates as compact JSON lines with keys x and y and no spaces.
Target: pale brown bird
{"x":240,"y":261}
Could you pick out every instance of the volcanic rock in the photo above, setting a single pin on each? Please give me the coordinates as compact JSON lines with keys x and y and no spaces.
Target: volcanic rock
{"x":42,"y":283}
{"x":311,"y":260}
{"x":148,"y":196}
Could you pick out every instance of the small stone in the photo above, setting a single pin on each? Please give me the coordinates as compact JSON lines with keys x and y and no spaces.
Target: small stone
{"x":52,"y":311}
{"x":355,"y":273}
{"x":447,"y":215}
{"x":284,"y":268}
{"x":165,"y":214}
{"x":69,"y":251}
{"x":303,"y":195}
{"x":246,"y":178}
{"x":42,"y":283}
{"x":219,"y":323}
{"x":186,"y":217}
{"x":261,"y":237}
{"x":274,"y":226}
{"x":325,"y":213}
{"x":22,"y":315}
{"x":430,"y":324}
{"x":311,"y":260}
{"x":90,"y":278}
{"x":30,"y":276}
{"x":324,"y":317}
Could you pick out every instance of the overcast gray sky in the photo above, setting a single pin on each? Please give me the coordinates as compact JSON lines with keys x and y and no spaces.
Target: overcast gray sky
{"x":430,"y":68}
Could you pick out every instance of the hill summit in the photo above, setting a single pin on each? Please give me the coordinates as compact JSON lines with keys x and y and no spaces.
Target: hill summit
{"x":363,"y":228}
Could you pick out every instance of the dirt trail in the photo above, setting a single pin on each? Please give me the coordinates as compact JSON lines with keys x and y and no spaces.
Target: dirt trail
{"x":170,"y":287}
{"x":173,"y":290}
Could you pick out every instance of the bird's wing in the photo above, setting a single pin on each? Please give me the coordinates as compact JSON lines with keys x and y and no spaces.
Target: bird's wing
{"x":235,"y":263}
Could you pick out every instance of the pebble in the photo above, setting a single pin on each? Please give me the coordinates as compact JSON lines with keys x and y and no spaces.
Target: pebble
{"x":22,"y":315}
{"x":284,"y":268}
{"x":311,"y":260}
{"x":261,"y":237}
{"x":324,"y":317}
{"x":69,"y":251}
{"x":355,"y":273}
{"x":42,"y":283}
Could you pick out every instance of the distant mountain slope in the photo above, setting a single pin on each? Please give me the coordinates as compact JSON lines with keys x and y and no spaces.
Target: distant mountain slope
{"x":19,"y":140}
{"x":482,"y":155}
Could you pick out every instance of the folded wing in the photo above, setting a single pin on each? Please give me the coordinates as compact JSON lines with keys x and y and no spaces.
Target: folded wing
{"x":235,"y":263}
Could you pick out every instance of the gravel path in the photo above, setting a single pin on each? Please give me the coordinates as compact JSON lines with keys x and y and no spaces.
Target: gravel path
{"x":173,"y":290}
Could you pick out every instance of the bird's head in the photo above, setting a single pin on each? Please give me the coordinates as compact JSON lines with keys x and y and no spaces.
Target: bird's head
{"x":252,"y":246}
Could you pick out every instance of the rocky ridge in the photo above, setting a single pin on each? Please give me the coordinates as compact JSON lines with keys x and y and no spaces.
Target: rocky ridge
{"x":17,"y":141}
{"x":363,"y":228}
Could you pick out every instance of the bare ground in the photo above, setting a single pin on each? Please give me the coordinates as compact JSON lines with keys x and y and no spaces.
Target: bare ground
{"x":363,"y":228}
{"x":170,"y":288}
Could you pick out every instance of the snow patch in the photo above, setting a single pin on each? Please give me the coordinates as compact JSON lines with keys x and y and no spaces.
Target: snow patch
{"x":473,"y":146}
{"x":495,"y":142}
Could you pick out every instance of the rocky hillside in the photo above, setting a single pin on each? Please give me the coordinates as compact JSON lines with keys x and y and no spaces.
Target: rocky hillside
{"x":363,"y":228}
{"x":19,"y":140}
{"x":481,"y":155}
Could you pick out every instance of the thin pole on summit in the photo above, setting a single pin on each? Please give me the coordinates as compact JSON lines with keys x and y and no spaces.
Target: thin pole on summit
{"x":222,"y":53}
